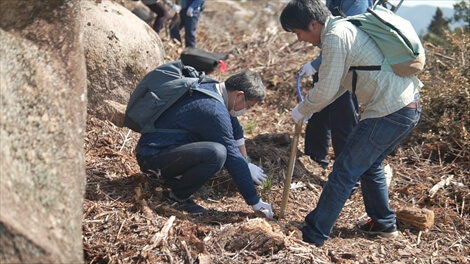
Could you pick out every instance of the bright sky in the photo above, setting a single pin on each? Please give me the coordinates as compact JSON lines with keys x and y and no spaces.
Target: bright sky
{"x":439,"y":3}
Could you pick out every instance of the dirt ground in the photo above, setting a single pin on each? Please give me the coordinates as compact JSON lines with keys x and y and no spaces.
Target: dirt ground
{"x":126,"y":219}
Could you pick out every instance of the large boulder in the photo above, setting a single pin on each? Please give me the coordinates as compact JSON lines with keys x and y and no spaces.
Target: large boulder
{"x":42,"y":126}
{"x":119,"y":49}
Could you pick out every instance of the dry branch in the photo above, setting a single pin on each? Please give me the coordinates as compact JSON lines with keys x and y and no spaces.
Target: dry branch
{"x":440,"y":185}
{"x":162,"y":235}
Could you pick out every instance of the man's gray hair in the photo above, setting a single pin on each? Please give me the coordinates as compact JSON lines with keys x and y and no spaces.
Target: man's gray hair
{"x":248,"y":82}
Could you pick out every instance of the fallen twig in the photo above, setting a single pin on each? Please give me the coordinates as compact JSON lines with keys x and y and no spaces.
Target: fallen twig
{"x":439,"y":185}
{"x":163,"y":234}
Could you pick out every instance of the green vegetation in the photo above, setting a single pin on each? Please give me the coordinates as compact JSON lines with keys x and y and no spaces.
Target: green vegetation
{"x":249,"y":127}
{"x":439,"y":26}
{"x":462,"y":14}
{"x":265,"y":188}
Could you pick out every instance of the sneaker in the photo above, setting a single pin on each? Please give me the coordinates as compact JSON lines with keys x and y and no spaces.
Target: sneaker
{"x":371,"y":227}
{"x":188,"y":205}
{"x":192,"y":208}
{"x":322,"y":162}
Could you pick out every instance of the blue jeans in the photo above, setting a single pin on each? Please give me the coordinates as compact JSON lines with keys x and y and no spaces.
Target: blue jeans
{"x":186,"y":168}
{"x":335,"y":121}
{"x":189,"y":24}
{"x":365,"y":149}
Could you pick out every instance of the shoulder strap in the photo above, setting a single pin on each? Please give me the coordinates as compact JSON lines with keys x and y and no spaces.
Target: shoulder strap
{"x":354,"y":69}
{"x":202,"y":90}
{"x":212,"y":94}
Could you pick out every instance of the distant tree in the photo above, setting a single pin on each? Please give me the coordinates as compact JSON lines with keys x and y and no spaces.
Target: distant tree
{"x":438,"y":28}
{"x":439,"y":25}
{"x":462,"y":13}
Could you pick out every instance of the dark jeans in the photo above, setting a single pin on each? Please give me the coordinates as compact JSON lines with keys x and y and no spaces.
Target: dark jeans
{"x":334,"y":122}
{"x":162,"y":15}
{"x":186,"y":168}
{"x":370,"y":142}
{"x":189,"y":24}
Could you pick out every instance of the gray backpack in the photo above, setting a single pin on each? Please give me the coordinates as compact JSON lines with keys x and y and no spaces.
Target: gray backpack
{"x":159,"y":90}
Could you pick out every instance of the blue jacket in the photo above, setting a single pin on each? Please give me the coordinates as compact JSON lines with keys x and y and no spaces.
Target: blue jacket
{"x":205,"y":119}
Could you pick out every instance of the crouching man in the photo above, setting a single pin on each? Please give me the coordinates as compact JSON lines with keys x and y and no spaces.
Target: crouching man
{"x":211,"y":137}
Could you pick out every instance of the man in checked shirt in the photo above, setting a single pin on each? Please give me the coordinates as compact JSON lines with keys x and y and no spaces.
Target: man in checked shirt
{"x":390,"y":112}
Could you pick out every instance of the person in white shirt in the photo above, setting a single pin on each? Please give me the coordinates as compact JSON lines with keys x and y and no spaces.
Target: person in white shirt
{"x":391,"y":110}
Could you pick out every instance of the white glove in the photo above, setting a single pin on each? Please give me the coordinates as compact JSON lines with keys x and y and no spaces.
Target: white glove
{"x":297,"y":116}
{"x":176,"y":7}
{"x":264,"y":208}
{"x":189,"y":12}
{"x":307,"y":70}
{"x":257,"y":174}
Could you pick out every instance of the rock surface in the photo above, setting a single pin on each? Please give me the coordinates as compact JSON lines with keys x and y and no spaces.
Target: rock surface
{"x":120,"y":49}
{"x":42,"y":127}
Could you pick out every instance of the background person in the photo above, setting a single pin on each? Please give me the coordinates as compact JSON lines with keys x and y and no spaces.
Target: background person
{"x":159,"y":8}
{"x":189,"y":17}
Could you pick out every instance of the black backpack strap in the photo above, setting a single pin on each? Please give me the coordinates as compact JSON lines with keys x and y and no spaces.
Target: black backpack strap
{"x":335,"y":7}
{"x":340,"y":12}
{"x":354,"y":70}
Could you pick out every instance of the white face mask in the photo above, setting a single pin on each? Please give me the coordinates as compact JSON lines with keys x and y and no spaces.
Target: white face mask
{"x":239,"y":112}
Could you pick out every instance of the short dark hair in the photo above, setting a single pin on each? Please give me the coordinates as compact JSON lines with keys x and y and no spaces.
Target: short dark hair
{"x":248,"y":82}
{"x":298,"y":14}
